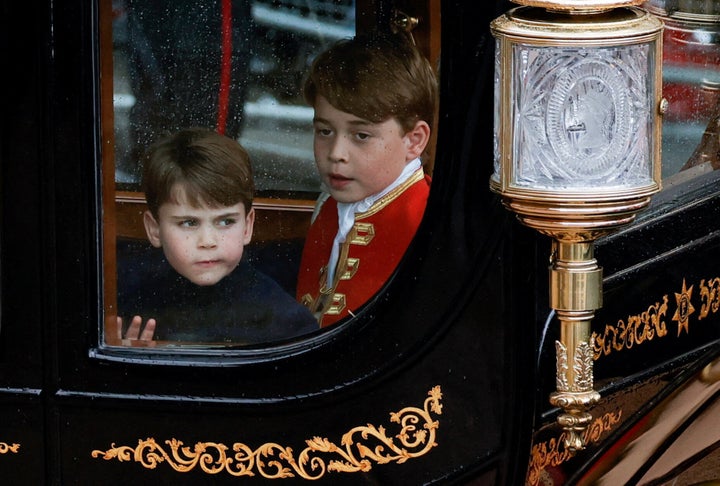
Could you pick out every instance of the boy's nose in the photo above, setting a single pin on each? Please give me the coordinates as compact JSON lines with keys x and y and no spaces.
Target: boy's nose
{"x":338,"y":149}
{"x":207,"y":238}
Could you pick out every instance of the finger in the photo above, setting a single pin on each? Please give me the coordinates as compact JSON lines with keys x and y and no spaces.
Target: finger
{"x":134,"y":330}
{"x":118,"y":330}
{"x":149,"y":330}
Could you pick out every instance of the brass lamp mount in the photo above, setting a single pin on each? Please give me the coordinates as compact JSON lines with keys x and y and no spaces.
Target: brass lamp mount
{"x":577,"y":154}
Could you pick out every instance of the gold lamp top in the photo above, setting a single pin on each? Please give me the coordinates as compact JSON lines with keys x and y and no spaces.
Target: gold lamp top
{"x":579,"y":6}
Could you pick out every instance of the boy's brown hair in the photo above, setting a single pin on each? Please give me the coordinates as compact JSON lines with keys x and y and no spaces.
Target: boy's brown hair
{"x":211,"y":168}
{"x":375,"y":77}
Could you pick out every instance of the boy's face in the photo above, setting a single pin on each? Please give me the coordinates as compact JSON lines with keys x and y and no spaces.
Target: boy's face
{"x":202,"y":244}
{"x":357,"y":158}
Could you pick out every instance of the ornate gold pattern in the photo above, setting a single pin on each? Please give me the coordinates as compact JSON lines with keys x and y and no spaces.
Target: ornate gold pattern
{"x":710,"y":297}
{"x":554,"y":452}
{"x":273,"y":461}
{"x":651,"y":323}
{"x":5,"y":448}
{"x":583,"y":368}
{"x":639,"y":328}
{"x":575,"y":394}
{"x":582,"y":365}
{"x":561,"y":367}
{"x":684,"y":308}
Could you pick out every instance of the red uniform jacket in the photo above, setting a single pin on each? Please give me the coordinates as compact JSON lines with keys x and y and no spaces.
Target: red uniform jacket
{"x":369,"y":255}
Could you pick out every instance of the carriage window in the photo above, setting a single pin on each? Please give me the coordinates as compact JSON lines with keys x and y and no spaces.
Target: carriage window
{"x":691,"y":84}
{"x":181,"y":82}
{"x":232,"y":66}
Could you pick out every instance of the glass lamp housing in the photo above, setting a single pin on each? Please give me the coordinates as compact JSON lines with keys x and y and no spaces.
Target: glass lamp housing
{"x":577,"y":102}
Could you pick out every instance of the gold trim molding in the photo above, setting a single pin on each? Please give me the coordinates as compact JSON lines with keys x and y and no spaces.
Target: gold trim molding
{"x":651,"y":323}
{"x":5,"y":448}
{"x":273,"y":461}
{"x":554,"y":452}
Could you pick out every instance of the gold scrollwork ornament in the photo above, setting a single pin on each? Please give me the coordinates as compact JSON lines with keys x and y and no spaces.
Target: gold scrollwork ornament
{"x":6,"y":448}
{"x":271,"y":460}
{"x":710,"y":296}
{"x":553,"y":453}
{"x":574,"y":395}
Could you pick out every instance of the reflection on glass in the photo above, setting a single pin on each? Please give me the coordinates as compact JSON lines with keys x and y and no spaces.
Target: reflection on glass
{"x":691,"y":84}
{"x":234,"y":67}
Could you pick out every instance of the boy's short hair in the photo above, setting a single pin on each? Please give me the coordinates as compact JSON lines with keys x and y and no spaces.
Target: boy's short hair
{"x":211,"y":168}
{"x":375,"y":77}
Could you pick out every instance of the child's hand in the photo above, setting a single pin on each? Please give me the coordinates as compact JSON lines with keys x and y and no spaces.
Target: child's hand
{"x":133,"y":331}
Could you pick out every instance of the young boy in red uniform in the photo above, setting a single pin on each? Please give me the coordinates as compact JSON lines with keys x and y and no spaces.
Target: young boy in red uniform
{"x":374,"y":99}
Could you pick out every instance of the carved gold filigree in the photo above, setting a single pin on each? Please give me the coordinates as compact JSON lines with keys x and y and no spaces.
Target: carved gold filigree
{"x":561,"y":367}
{"x":554,"y":452}
{"x":684,"y":308}
{"x":273,"y":461}
{"x":575,"y":394}
{"x":6,"y":448}
{"x":582,"y":368}
{"x":710,"y":297}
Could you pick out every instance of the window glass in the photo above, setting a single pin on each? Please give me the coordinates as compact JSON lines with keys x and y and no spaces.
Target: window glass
{"x":691,"y":85}
{"x":231,"y":66}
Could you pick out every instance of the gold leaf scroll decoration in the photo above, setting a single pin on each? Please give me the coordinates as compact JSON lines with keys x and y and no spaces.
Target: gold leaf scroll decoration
{"x":5,"y":448}
{"x":360,"y":448}
{"x":710,"y":296}
{"x":550,"y":454}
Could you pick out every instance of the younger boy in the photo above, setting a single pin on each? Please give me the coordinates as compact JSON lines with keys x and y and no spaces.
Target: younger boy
{"x":374,"y":99}
{"x":199,"y":190}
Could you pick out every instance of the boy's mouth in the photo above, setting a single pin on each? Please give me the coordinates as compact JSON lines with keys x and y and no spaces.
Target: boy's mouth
{"x":338,"y":181}
{"x":207,"y":263}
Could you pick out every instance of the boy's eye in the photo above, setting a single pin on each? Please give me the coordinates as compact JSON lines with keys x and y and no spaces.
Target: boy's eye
{"x":187,"y":223}
{"x":323,"y":132}
{"x":226,"y":222}
{"x":362,"y":136}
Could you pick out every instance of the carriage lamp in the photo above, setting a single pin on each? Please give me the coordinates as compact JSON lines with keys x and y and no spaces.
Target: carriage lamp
{"x":577,"y":154}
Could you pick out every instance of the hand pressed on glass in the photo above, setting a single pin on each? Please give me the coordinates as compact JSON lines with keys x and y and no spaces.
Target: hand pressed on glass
{"x":133,"y":332}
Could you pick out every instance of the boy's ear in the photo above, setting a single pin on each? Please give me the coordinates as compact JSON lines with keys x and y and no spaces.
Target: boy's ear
{"x":152,"y":228}
{"x":417,"y":139}
{"x":249,"y":222}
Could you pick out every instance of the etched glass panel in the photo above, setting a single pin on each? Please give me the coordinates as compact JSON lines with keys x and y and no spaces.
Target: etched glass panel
{"x":496,"y":114}
{"x":582,"y":116}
